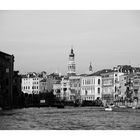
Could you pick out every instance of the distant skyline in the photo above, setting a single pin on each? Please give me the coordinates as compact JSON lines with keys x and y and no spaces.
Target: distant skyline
{"x":41,"y":40}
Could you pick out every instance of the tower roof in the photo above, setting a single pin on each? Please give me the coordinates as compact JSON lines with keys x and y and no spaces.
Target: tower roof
{"x":90,"y":67}
{"x":71,"y":53}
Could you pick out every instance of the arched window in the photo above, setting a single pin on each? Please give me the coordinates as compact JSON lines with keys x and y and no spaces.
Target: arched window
{"x":98,"y":90}
{"x":98,"y":81}
{"x":115,"y":88}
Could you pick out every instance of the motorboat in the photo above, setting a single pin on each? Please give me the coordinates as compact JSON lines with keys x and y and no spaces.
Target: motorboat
{"x":108,"y":108}
{"x":116,"y":108}
{"x":133,"y":107}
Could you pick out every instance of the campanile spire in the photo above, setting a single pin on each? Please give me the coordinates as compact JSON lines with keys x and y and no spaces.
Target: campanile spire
{"x":71,"y":63}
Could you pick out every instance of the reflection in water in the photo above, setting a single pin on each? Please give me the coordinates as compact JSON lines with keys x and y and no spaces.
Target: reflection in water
{"x":68,"y":119}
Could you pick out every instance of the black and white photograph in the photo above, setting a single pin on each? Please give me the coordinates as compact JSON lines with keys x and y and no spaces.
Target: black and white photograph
{"x":69,"y":69}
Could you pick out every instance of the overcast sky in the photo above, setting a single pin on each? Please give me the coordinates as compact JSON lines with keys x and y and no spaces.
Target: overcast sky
{"x":41,"y":40}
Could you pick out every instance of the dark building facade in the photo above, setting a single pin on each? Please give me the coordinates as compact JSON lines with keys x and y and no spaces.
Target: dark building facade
{"x":6,"y":80}
{"x":16,"y":90}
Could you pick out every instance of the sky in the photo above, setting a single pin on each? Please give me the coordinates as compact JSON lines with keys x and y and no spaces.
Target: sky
{"x":41,"y":40}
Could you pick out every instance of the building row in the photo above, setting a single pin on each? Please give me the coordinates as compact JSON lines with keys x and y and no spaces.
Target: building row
{"x":120,"y":83}
{"x":110,"y":85}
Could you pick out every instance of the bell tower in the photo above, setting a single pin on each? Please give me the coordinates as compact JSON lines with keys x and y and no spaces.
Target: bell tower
{"x":90,"y":70}
{"x":71,"y":64}
{"x":90,"y":67}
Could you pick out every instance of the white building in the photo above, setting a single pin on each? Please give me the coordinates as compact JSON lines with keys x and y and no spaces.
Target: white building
{"x":30,"y":83}
{"x":91,"y":87}
{"x":110,"y":85}
{"x":65,"y":88}
{"x":122,"y":85}
{"x":75,"y":87}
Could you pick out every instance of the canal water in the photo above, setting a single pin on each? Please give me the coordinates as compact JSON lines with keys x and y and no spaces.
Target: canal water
{"x":80,"y":118}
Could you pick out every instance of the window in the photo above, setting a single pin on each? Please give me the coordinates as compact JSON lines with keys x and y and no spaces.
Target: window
{"x":115,"y":88}
{"x":98,"y":90}
{"x":7,"y":70}
{"x":86,"y":92}
{"x":98,"y":81}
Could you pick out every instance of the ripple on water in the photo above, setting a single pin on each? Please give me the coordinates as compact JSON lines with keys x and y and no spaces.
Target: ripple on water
{"x":86,"y":118}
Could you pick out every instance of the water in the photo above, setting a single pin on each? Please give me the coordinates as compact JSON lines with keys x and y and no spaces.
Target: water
{"x":86,"y":118}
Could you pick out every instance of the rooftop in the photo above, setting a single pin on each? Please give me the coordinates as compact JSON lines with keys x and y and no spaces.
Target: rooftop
{"x":44,"y":80}
{"x":104,"y":71}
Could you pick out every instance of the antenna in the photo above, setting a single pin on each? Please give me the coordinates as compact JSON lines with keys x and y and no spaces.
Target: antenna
{"x":129,"y":62}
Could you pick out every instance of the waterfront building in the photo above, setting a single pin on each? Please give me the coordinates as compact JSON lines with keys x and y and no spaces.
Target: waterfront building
{"x":57,"y":89}
{"x":75,"y":87}
{"x":49,"y":83}
{"x":17,"y":82}
{"x":136,"y":87}
{"x":71,"y":64}
{"x":65,"y":89}
{"x":129,"y":89}
{"x":6,"y":80}
{"x":122,"y":85}
{"x":127,"y":69}
{"x":30,"y":83}
{"x":52,"y":79}
{"x":27,"y":84}
{"x":91,"y":87}
{"x":110,"y":86}
{"x":16,"y":88}
{"x":43,"y":86}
